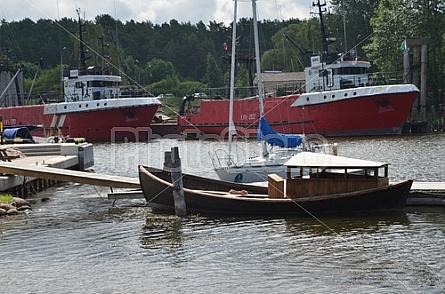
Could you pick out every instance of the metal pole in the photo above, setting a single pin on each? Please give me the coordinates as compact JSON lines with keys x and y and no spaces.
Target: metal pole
{"x":232,"y":130}
{"x":258,"y":69}
{"x":1,"y":130}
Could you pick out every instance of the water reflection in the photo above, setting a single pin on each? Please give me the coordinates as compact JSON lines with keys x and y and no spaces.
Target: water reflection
{"x":335,"y":225}
{"x":168,"y":231}
{"x":160,"y":231}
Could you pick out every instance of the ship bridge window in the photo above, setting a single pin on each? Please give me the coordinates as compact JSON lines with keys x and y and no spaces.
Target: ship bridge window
{"x":350,"y":71}
{"x":95,"y":84}
{"x":102,"y":84}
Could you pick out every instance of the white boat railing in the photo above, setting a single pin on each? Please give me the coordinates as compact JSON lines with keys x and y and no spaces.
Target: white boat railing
{"x":221,"y":159}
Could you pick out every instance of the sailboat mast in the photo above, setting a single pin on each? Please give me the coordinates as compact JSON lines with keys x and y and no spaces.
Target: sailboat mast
{"x":232,"y":130}
{"x":258,"y":68}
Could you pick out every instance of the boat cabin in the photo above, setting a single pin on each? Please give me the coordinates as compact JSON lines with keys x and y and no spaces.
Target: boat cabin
{"x":323,"y":174}
{"x":90,"y":87}
{"x":342,"y":74}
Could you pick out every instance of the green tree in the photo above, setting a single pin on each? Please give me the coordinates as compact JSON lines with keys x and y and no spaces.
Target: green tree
{"x":396,"y":20}
{"x":47,"y":80}
{"x":157,"y":70}
{"x":351,"y":19}
{"x":214,"y":73}
{"x":287,"y":56}
{"x":188,"y":88}
{"x":167,"y":85}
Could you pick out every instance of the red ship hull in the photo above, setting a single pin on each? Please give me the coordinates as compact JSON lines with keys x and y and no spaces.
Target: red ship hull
{"x":377,"y":114}
{"x":114,"y":124}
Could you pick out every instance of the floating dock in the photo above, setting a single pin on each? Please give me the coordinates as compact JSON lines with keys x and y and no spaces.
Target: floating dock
{"x":36,"y":158}
{"x":427,"y":194}
{"x":63,"y":162}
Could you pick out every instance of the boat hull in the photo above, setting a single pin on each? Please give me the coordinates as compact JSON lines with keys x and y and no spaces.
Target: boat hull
{"x":158,"y":192}
{"x":359,"y":112}
{"x":112,"y":124}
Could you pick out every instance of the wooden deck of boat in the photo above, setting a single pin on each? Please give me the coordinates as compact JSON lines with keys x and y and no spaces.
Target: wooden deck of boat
{"x":41,"y":167}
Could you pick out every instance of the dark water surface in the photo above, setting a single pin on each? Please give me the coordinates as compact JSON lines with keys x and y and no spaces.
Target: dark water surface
{"x":79,"y":243}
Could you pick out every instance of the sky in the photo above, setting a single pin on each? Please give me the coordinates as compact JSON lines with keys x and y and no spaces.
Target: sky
{"x":155,"y":11}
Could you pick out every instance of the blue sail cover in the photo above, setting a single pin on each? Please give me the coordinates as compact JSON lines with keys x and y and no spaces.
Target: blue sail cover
{"x":266,"y":133}
{"x":17,"y":132}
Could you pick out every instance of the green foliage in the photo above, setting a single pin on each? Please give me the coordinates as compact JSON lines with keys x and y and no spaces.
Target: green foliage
{"x":214,"y":73}
{"x":156,"y":70}
{"x":287,"y":56}
{"x":172,"y":85}
{"x":5,"y":198}
{"x":190,"y":87}
{"x":350,"y":23}
{"x":396,"y":20}
{"x":47,"y":80}
{"x":390,"y":27}
{"x":168,"y":85}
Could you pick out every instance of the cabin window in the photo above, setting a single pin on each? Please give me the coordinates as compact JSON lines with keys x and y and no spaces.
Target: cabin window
{"x":95,"y":84}
{"x":327,"y":76}
{"x":349,"y":71}
{"x":79,"y":85}
{"x":102,"y":84}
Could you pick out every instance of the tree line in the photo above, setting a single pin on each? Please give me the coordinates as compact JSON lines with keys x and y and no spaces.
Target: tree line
{"x":182,"y":58}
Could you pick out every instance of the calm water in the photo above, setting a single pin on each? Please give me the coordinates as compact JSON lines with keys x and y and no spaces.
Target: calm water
{"x":79,"y":243}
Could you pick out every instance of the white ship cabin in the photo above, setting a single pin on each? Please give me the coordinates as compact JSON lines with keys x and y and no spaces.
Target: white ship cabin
{"x":341,"y":74}
{"x":90,"y":87}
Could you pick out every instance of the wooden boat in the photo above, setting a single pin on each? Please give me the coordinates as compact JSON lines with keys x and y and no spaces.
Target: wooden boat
{"x":334,"y":185}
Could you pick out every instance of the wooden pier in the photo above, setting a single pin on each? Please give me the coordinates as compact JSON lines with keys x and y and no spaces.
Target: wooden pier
{"x":24,"y":172}
{"x":427,"y":194}
{"x":65,"y":175}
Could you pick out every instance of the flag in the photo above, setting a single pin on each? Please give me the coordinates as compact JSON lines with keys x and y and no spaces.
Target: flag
{"x":403,"y":46}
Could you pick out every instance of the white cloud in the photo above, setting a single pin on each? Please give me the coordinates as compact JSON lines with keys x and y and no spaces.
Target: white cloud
{"x":156,"y":11}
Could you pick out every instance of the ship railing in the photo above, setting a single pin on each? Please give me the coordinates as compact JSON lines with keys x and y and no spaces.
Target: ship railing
{"x":221,"y":159}
{"x":224,"y":92}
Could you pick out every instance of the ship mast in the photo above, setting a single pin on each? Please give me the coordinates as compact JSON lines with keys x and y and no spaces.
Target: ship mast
{"x":82,"y":59}
{"x":324,"y":42}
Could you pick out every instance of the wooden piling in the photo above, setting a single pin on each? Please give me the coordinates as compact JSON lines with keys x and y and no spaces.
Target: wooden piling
{"x":173,"y":162}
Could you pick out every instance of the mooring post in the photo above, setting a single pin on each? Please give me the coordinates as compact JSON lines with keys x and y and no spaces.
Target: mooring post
{"x":1,"y":130}
{"x":176,"y":175}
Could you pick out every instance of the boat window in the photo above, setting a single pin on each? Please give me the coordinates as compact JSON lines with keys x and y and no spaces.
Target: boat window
{"x":327,"y":76}
{"x":95,"y":84}
{"x":79,"y":85}
{"x":101,"y":84}
{"x":349,"y":71}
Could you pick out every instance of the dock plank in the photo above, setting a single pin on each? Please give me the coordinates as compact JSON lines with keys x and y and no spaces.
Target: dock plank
{"x":428,"y":186}
{"x":66,"y":175}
